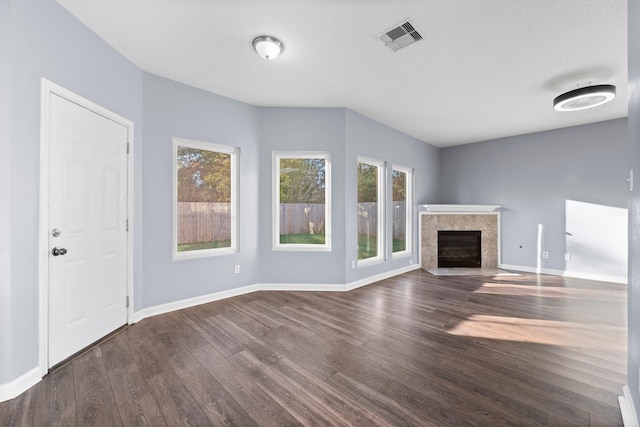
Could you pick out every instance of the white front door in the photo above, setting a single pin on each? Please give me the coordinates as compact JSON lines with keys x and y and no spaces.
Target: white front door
{"x":87,"y":227}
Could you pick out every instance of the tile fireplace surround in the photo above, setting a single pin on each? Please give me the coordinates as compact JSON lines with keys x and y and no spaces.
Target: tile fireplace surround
{"x":485,"y":218}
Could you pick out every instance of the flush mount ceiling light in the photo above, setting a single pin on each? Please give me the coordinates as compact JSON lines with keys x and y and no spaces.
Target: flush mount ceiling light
{"x":584,"y":97}
{"x":267,"y":47}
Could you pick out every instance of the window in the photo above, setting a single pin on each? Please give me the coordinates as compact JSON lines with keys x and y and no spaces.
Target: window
{"x":401,"y":210}
{"x":205,"y":199}
{"x":302,"y":201}
{"x":370,"y":211}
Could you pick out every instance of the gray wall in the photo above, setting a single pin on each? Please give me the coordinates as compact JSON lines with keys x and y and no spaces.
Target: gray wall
{"x":175,"y":110}
{"x":633,"y":364}
{"x":346,"y":135}
{"x":44,"y":40}
{"x":302,"y":129}
{"x":368,"y":138}
{"x":540,"y":179}
{"x":6,"y":328}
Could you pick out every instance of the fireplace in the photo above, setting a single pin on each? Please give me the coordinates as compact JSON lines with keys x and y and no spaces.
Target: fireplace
{"x":459,"y":248}
{"x":485,"y":218}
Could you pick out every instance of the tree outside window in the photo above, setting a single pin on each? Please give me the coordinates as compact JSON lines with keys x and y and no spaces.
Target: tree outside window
{"x":402,"y":196}
{"x":301,"y":201}
{"x":205,"y":210}
{"x":370,"y":210}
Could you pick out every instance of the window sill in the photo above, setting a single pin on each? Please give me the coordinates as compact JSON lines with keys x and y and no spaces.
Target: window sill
{"x":369,"y":262}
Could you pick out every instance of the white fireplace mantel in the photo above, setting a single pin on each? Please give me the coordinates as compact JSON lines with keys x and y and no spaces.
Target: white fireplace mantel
{"x":462,"y":208}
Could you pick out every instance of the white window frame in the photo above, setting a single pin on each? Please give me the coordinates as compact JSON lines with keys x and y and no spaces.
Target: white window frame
{"x":409,"y":212}
{"x":277,"y":156}
{"x":382,"y":184}
{"x":234,"y":152}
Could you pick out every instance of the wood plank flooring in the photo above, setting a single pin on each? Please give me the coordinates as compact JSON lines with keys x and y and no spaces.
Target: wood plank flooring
{"x":413,"y":350}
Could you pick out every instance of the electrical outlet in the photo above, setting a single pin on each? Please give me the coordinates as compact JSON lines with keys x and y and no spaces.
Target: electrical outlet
{"x":567,"y":257}
{"x":353,"y":265}
{"x":545,"y":255}
{"x":410,"y":261}
{"x":237,"y":269}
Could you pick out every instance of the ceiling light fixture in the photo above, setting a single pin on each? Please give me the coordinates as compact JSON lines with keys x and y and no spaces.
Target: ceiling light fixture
{"x":267,"y":47}
{"x":584,"y":97}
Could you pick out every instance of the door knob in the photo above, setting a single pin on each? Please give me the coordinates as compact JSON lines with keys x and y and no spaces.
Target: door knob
{"x":57,"y":251}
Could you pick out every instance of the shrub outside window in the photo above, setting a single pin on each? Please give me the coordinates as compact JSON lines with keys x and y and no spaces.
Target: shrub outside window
{"x":370,"y":211}
{"x":302,"y":201}
{"x":205,"y":184}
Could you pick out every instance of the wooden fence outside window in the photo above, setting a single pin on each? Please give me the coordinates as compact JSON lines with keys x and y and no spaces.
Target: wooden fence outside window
{"x":208,"y":222}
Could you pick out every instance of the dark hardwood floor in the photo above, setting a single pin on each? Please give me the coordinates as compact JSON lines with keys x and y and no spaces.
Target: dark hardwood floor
{"x":415,"y":349}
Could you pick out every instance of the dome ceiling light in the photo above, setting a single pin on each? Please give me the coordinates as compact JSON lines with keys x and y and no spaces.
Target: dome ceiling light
{"x":584,"y":97}
{"x":267,"y":47}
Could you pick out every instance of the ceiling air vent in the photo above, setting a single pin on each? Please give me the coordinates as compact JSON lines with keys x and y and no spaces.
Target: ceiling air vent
{"x":400,"y":36}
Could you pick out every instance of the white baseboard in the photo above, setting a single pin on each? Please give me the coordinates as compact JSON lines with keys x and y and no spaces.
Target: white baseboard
{"x":21,"y":384}
{"x":598,"y":277}
{"x":310,"y":287}
{"x":372,"y":279}
{"x":190,"y":302}
{"x":573,"y":274}
{"x":627,"y":408}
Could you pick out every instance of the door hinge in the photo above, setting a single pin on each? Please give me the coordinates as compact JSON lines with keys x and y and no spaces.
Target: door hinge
{"x":127,"y":148}
{"x":127,"y":300}
{"x":127,"y":225}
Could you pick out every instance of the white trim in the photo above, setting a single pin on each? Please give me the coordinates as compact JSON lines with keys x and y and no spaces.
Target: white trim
{"x":297,"y":287}
{"x":130,"y":218}
{"x":47,"y":88}
{"x":381,"y":223}
{"x":572,"y":274}
{"x":276,"y":156}
{"x":302,"y":247}
{"x":420,"y":239}
{"x":627,"y":408}
{"x":314,"y":287}
{"x":409,"y":221}
{"x":191,"y":302}
{"x":234,"y":154}
{"x":382,"y":276}
{"x":368,"y":262}
{"x":21,"y":384}
{"x":401,"y":255}
{"x":462,"y":208}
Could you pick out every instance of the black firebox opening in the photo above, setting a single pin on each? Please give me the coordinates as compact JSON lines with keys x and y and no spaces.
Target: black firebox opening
{"x":457,"y":248}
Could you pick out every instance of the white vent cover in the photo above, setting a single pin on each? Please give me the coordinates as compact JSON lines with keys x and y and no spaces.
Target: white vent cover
{"x":400,"y":36}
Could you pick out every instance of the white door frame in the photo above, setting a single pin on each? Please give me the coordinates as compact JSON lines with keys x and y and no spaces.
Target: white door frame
{"x":49,"y":88}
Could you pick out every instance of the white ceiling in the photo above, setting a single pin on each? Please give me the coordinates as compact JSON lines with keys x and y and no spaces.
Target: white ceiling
{"x":485,"y":69}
